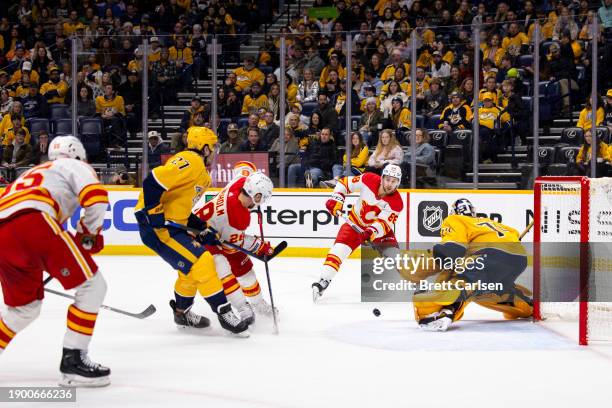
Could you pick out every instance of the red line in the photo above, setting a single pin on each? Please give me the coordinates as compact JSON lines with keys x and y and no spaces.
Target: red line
{"x":407,"y":220}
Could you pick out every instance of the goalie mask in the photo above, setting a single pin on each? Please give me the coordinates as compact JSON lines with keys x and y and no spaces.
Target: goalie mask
{"x":463,"y":206}
{"x":258,"y":183}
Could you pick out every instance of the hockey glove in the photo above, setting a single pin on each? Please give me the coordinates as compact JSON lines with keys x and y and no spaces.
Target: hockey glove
{"x":265,"y":249}
{"x":93,"y":243}
{"x":153,"y":216}
{"x":208,"y":237}
{"x":335,"y":204}
{"x":368,"y":234}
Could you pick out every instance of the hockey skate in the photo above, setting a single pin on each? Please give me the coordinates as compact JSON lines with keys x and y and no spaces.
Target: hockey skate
{"x":246,"y":313}
{"x":437,"y":321}
{"x":263,"y":308}
{"x":232,"y":323}
{"x":79,"y":371}
{"x":318,"y":288}
{"x":187,"y":318}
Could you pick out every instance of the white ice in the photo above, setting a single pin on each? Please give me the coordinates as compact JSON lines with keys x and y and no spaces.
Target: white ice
{"x":333,"y":354}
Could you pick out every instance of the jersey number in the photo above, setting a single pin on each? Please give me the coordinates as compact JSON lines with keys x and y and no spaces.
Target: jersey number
{"x":207,"y":211}
{"x":500,"y":232}
{"x":30,"y":179}
{"x":180,"y":163}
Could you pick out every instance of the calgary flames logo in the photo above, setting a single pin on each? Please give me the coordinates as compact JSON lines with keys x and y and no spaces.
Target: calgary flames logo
{"x":368,"y":213}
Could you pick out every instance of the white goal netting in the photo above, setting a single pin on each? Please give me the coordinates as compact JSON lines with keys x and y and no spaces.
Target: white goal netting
{"x":574,"y":256}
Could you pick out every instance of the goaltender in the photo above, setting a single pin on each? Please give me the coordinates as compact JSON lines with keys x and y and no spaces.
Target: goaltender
{"x":502,"y":259}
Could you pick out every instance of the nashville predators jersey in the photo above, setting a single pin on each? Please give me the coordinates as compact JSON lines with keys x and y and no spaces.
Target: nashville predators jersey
{"x":184,"y":179}
{"x":478,"y":232}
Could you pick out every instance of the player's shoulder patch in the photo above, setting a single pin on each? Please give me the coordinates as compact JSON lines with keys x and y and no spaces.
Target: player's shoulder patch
{"x":371,"y":180}
{"x":395,"y":202}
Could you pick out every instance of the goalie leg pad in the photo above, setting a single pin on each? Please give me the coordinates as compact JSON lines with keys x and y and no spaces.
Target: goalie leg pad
{"x":513,"y":306}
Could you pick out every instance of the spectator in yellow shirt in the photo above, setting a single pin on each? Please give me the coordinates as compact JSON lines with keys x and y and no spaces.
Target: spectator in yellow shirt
{"x":334,"y":65}
{"x":515,"y":40}
{"x":111,"y":109}
{"x":583,"y":158}
{"x":55,"y":90}
{"x":586,"y":115}
{"x":182,"y":56}
{"x":16,"y":126}
{"x":154,"y":53}
{"x":488,"y":116}
{"x":254,"y":100}
{"x":359,"y":158}
{"x":26,"y":68}
{"x":248,"y":74}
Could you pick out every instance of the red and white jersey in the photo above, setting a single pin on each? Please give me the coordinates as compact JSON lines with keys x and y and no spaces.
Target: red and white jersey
{"x":226,"y":214}
{"x":371,"y":209}
{"x":57,"y":188}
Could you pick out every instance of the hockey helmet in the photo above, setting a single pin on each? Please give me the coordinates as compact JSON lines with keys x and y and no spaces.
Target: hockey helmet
{"x":67,"y":146}
{"x":199,"y":136}
{"x":392,"y":170}
{"x":463,"y":206}
{"x":244,"y":169}
{"x":258,"y":183}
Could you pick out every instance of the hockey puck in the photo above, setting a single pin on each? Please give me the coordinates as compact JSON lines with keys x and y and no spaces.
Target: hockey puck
{"x":376,"y":312}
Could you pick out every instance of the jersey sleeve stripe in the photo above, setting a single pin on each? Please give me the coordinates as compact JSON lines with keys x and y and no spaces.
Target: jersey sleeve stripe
{"x":158,"y":182}
{"x":92,"y":194}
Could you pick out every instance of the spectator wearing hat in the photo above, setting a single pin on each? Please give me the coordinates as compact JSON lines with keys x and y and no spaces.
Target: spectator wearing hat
{"x":26,"y":68}
{"x":457,"y":115}
{"x":247,"y":75}
{"x":255,"y":99}
{"x":40,"y":153}
{"x":55,"y":89}
{"x":370,"y":80}
{"x":23,"y":87}
{"x":131,"y":91}
{"x":488,"y":118}
{"x":154,"y":52}
{"x":439,"y":68}
{"x":233,"y":142}
{"x":16,"y":125}
{"x":17,"y":154}
{"x":156,"y":148}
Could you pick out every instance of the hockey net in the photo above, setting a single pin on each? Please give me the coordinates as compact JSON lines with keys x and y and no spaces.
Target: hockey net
{"x":573,"y":254}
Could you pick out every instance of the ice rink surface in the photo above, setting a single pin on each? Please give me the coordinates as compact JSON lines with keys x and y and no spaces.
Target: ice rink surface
{"x":333,"y":354}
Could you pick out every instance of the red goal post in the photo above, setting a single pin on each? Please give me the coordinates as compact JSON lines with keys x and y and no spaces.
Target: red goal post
{"x":568,"y":212}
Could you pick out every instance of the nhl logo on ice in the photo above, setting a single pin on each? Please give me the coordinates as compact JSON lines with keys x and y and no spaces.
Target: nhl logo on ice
{"x":65,"y":272}
{"x":431,"y":214}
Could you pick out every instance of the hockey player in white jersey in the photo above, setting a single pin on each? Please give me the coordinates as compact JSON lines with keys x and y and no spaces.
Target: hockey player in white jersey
{"x":229,"y":214}
{"x":370,"y":220}
{"x":32,"y":211}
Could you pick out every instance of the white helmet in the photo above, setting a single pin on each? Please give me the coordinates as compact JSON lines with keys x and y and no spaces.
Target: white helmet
{"x":67,"y":146}
{"x":258,"y":183}
{"x":393,"y":170}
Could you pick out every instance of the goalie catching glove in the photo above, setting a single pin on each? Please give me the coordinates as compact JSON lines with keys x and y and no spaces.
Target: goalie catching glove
{"x":335,"y":204}
{"x":93,"y":243}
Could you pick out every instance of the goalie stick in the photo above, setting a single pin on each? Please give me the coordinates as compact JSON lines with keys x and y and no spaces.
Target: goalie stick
{"x":142,"y":315}
{"x":277,"y":249}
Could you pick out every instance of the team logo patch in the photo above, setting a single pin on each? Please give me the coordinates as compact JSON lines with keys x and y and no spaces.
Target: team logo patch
{"x":430,"y":217}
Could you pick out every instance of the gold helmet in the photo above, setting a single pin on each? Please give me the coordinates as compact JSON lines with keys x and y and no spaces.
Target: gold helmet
{"x":199,"y":136}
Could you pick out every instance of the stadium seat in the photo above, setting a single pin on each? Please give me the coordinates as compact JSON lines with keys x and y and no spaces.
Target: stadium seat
{"x":90,"y":126}
{"x":566,"y":154}
{"x":62,"y":127}
{"x":603,"y":134}
{"x":572,"y":136}
{"x":525,"y":60}
{"x":37,"y":124}
{"x":437,"y":138}
{"x":58,"y":111}
{"x":528,"y":103}
{"x":355,"y":122}
{"x":433,"y":122}
{"x":420,"y":121}
{"x":309,"y":107}
{"x":461,"y":137}
{"x":92,"y":144}
{"x":546,"y":155}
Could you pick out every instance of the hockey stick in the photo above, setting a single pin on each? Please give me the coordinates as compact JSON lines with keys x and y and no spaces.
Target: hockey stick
{"x":527,"y":229}
{"x":265,"y":258}
{"x":355,"y":228}
{"x":142,"y":315}
{"x":260,"y":222}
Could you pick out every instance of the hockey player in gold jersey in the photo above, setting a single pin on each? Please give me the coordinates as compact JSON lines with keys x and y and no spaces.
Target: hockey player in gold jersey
{"x":496,"y":257}
{"x":168,"y":194}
